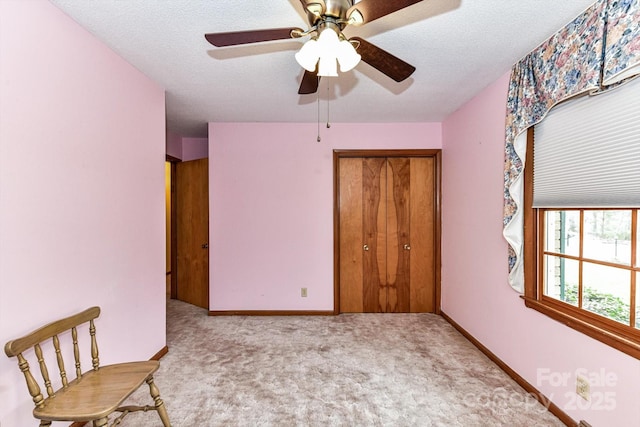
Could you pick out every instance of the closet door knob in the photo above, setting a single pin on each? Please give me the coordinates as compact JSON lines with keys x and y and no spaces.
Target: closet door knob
{"x":407,"y":247}
{"x":365,"y":247}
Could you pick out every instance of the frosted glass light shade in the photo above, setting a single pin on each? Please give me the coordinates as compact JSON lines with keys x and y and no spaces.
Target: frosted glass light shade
{"x":328,"y":67}
{"x":347,"y":56}
{"x":329,"y":50}
{"x":328,"y":42}
{"x":308,"y":56}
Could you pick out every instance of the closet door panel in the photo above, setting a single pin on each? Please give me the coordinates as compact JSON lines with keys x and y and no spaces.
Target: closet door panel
{"x":351,"y":232}
{"x":374,"y":238}
{"x":398,"y":234}
{"x":422,"y":231}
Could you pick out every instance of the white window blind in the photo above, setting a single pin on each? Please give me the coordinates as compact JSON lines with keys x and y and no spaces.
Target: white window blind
{"x":587,"y":152}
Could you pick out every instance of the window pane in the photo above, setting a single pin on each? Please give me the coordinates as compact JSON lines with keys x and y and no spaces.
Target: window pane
{"x":606,"y":291}
{"x":562,"y":232}
{"x":561,"y":279}
{"x":607,"y":236}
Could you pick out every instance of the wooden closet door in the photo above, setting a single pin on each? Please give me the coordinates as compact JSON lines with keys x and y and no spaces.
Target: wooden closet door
{"x":386,"y":215}
{"x":351,"y":249}
{"x":422,"y":226}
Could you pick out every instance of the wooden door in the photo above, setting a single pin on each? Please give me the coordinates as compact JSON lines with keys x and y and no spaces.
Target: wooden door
{"x":387,"y":234}
{"x":192,"y":232}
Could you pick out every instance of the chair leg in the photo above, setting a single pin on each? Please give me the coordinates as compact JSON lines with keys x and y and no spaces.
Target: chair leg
{"x":162,"y":410}
{"x":101,"y":422}
{"x":45,"y":423}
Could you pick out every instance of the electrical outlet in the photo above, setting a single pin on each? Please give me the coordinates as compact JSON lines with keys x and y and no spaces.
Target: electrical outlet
{"x":582,"y":387}
{"x":303,"y":292}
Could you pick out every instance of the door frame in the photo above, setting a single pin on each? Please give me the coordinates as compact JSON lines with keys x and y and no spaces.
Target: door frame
{"x":436,"y":154}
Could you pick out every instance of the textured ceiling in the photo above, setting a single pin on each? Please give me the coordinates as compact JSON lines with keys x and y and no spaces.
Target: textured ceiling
{"x":458,"y":47}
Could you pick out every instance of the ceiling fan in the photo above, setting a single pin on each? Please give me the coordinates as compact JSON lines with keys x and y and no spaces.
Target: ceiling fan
{"x":327,"y":19}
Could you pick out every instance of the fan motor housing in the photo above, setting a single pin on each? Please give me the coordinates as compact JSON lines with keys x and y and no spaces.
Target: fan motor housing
{"x":336,"y":9}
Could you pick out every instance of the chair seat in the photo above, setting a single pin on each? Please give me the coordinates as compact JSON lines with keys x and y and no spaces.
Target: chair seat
{"x":97,"y":393}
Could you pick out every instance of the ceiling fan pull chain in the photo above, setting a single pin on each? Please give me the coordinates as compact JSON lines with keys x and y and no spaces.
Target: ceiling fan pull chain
{"x":318,"y":112}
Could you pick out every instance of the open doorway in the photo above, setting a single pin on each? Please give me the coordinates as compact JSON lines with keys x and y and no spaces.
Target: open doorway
{"x":187,"y":219}
{"x":187,"y":230}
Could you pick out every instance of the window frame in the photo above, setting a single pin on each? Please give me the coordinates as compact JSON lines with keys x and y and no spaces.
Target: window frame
{"x":612,"y":333}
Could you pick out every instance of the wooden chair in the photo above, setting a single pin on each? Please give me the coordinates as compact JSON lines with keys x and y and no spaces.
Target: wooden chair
{"x":92,"y":395}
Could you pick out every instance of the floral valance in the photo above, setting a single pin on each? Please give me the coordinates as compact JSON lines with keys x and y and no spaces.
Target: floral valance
{"x":622,"y":50}
{"x":598,"y":48}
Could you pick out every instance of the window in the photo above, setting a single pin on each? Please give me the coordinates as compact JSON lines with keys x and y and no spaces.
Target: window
{"x":582,"y":267}
{"x":587,"y":262}
{"x":582,"y":217}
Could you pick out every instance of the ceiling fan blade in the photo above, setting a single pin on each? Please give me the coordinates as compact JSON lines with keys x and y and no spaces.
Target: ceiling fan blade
{"x":252,"y":36}
{"x":370,"y":10}
{"x":383,"y":61}
{"x":309,"y":83}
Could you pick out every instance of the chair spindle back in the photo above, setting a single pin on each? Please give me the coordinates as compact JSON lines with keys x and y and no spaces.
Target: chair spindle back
{"x":17,"y":347}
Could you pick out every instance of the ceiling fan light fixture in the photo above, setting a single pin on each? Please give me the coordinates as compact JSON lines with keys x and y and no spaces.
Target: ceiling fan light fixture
{"x":328,"y":42}
{"x":327,"y":49}
{"x":347,"y":56}
{"x":309,"y":55}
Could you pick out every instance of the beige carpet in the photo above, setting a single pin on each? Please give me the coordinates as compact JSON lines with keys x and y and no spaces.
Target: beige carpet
{"x":347,"y":370}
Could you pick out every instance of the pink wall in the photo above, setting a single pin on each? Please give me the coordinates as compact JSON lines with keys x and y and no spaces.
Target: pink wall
{"x":82,"y":138}
{"x":195,"y":148}
{"x":271,"y":208}
{"x":186,"y":149}
{"x":174,"y":145}
{"x":475,"y":292}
